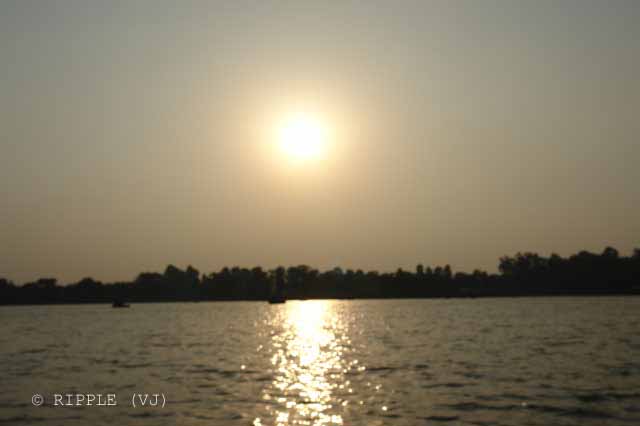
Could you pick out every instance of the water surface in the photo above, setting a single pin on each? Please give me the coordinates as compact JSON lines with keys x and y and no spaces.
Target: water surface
{"x":524,"y":361}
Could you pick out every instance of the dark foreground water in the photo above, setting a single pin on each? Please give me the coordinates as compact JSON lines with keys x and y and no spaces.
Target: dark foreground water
{"x":529,"y":361}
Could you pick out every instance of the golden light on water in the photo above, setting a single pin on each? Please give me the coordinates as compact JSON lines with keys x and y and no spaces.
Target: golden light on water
{"x":310,"y":385}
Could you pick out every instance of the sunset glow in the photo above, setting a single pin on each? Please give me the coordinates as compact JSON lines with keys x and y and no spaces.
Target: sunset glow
{"x":302,"y":137}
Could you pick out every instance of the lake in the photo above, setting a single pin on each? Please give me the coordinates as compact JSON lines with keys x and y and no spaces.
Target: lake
{"x":503,"y":361}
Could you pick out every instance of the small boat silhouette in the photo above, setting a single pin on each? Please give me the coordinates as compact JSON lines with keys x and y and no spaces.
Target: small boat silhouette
{"x":277,"y":299}
{"x":120,"y":304}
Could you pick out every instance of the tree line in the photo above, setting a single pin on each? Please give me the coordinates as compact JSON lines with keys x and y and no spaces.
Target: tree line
{"x":525,"y":274}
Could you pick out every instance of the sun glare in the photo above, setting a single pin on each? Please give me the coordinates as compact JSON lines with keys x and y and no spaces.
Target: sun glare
{"x":302,"y":137}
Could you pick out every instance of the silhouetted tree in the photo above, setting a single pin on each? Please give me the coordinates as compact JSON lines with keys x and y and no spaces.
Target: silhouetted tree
{"x":522,"y":274}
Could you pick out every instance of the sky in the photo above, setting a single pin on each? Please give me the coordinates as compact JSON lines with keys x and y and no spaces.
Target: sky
{"x":136,"y":134}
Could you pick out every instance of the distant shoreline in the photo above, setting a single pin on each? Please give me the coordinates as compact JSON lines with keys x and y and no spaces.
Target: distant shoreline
{"x":505,"y":296}
{"x":523,"y":275}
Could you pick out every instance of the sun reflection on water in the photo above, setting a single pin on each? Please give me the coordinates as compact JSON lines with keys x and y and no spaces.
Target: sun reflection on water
{"x":310,"y":385}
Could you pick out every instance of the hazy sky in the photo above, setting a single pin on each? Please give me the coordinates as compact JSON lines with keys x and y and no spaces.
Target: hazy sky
{"x":134,"y":134}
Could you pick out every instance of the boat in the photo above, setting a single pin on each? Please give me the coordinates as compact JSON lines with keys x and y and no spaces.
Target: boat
{"x":120,"y":304}
{"x":277,"y":299}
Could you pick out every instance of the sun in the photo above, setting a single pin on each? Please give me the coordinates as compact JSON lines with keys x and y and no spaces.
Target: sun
{"x":302,"y":137}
